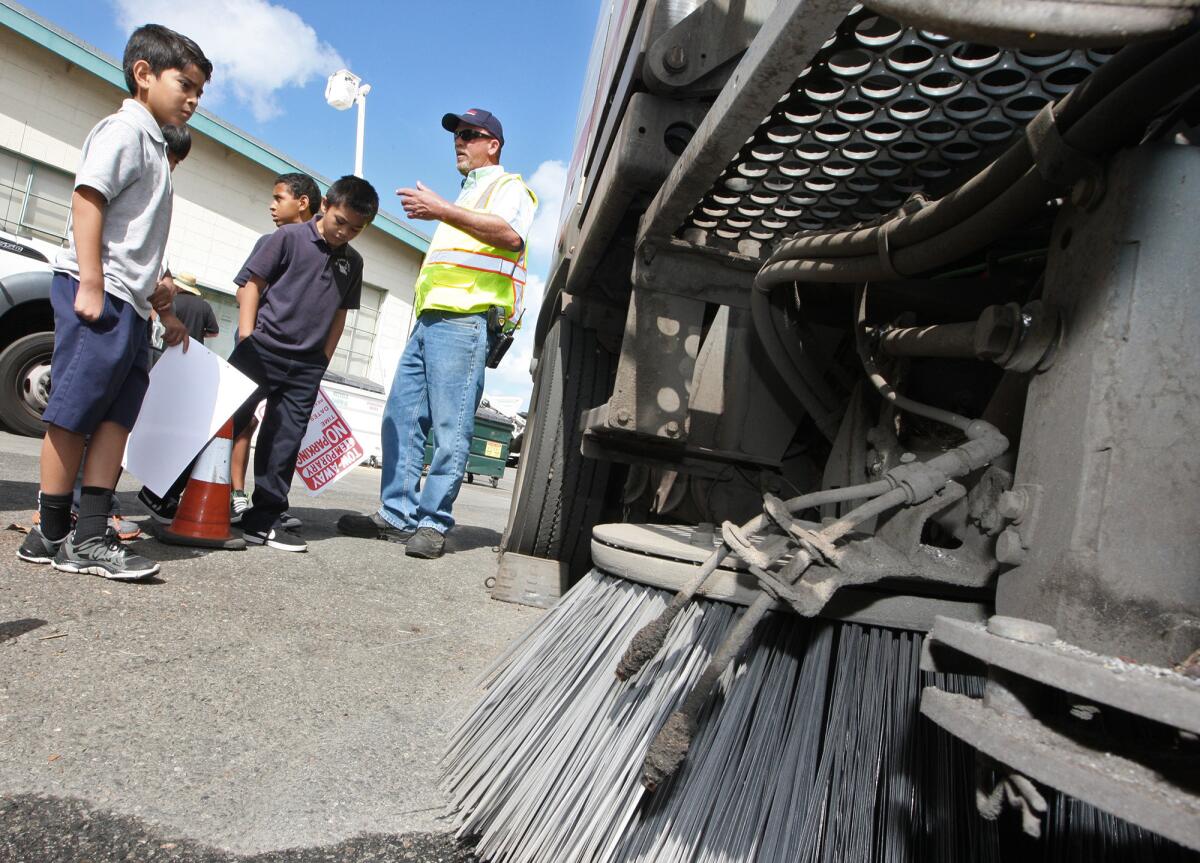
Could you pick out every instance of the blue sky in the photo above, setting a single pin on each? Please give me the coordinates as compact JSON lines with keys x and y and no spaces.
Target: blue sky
{"x":522,"y":60}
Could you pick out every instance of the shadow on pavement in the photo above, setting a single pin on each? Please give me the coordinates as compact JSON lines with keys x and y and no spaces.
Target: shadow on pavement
{"x":317,"y":525}
{"x":321,"y":524}
{"x":67,"y":830}
{"x":465,"y":537}
{"x":16,"y":628}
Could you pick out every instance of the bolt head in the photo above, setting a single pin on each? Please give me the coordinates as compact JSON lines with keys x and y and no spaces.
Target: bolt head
{"x":623,"y":416}
{"x":1009,"y":549}
{"x":1012,"y":504}
{"x":676,"y":58}
{"x":673,"y":428}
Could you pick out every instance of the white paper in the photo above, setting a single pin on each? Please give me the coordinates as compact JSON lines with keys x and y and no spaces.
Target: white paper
{"x":190,"y":397}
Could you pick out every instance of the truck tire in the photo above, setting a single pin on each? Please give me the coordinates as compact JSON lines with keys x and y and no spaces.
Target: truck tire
{"x":24,"y":364}
{"x":560,"y":495}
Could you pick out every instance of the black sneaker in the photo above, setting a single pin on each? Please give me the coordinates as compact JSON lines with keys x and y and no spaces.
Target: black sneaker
{"x":373,"y":526}
{"x":37,"y":549}
{"x":426,"y":543}
{"x":275,"y":537}
{"x":105,"y":556}
{"x":162,"y":511}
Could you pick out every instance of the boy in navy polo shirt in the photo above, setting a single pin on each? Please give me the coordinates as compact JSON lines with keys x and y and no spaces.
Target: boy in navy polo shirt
{"x":103,"y":289}
{"x":295,"y":198}
{"x":288,"y":335}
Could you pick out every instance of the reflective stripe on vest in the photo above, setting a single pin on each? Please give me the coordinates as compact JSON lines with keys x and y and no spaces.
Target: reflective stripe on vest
{"x":480,"y":261}
{"x":462,"y":274}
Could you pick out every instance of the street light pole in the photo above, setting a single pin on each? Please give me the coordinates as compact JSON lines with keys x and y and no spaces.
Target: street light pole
{"x":361,"y":99}
{"x":344,"y":89}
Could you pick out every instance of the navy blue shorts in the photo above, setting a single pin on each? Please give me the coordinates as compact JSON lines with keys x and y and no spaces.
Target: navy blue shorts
{"x":100,"y":371}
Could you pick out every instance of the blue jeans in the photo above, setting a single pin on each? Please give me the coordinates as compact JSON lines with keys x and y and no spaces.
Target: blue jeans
{"x":438,"y":385}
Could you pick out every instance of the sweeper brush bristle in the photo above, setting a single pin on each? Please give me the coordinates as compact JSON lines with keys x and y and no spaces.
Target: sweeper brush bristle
{"x":812,"y":748}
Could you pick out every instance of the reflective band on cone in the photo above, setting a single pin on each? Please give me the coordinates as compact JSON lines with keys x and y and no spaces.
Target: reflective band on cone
{"x":203,"y":515}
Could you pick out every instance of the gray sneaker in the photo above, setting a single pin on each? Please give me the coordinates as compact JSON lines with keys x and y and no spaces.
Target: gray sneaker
{"x":37,"y":549}
{"x":426,"y":543}
{"x":105,"y":556}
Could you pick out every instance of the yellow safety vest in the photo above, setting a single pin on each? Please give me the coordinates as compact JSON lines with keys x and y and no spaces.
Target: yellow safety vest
{"x":461,"y":274}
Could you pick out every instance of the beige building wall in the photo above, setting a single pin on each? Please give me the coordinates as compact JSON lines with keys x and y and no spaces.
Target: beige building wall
{"x":47,"y":108}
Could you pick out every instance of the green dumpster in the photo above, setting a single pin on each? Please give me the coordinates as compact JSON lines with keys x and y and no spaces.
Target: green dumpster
{"x":489,"y":445}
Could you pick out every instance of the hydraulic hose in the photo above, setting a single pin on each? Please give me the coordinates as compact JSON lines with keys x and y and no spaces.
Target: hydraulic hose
{"x":799,"y":379}
{"x":1038,"y":24}
{"x":984,"y":441}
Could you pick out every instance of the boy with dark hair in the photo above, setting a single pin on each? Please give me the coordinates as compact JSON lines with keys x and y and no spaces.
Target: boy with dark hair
{"x":101,"y":295}
{"x":295,"y":198}
{"x":179,"y":144}
{"x":288,"y":335}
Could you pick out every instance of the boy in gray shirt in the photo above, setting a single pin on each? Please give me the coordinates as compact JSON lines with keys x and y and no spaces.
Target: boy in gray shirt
{"x":102,"y":293}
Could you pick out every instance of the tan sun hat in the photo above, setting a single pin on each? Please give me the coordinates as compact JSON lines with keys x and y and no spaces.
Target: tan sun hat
{"x":186,"y":282}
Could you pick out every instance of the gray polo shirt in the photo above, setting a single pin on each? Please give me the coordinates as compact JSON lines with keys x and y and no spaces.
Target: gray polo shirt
{"x":125,"y":159}
{"x":307,"y":283}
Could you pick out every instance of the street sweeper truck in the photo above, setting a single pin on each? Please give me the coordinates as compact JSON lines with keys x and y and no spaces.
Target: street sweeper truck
{"x":862,"y":470}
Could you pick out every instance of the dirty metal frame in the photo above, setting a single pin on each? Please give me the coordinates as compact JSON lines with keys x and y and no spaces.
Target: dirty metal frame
{"x":1021,"y":723}
{"x":674,"y":280}
{"x":667,"y":557}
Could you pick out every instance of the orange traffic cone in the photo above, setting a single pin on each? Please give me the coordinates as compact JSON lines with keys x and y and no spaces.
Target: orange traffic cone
{"x":203,"y":515}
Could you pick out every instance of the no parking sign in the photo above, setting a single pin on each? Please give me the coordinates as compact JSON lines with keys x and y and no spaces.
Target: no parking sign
{"x":329,"y":449}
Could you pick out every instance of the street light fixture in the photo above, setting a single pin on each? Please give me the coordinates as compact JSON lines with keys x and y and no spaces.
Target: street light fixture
{"x":344,"y":89}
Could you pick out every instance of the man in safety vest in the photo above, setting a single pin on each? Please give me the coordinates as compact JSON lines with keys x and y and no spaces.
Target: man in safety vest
{"x":475,"y":264}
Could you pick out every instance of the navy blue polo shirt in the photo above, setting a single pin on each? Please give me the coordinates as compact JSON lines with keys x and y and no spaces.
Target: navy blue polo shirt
{"x":244,"y":274}
{"x":307,"y":283}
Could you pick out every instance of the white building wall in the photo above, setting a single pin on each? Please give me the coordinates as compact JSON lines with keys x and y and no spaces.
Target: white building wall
{"x":47,"y":108}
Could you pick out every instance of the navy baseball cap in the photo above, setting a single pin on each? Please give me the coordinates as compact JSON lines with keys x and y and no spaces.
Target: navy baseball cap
{"x":485,"y":120}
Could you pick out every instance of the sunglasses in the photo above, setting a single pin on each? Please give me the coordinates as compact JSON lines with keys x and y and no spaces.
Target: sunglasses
{"x":469,"y":135}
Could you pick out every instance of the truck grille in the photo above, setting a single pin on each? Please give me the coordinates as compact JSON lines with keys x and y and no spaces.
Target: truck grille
{"x":882,"y":112}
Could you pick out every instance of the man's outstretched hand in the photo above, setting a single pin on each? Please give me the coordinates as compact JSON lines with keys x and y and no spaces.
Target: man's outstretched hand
{"x":423,"y":203}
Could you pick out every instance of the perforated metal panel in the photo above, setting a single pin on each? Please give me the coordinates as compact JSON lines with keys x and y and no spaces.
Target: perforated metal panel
{"x":882,"y":112}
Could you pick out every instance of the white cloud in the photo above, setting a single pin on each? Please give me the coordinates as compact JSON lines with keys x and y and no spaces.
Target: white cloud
{"x":256,"y":47}
{"x":549,"y":183}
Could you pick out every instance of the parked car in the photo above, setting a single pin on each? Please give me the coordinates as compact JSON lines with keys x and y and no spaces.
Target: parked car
{"x":26,"y":333}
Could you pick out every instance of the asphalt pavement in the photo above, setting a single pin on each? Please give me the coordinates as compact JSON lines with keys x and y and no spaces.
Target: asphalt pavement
{"x":288,"y":707}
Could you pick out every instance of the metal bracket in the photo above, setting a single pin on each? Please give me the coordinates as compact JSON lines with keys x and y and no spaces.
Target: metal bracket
{"x":654,"y":375}
{"x":686,"y":270}
{"x":903,"y":530}
{"x":605,"y":438}
{"x":694,"y":56}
